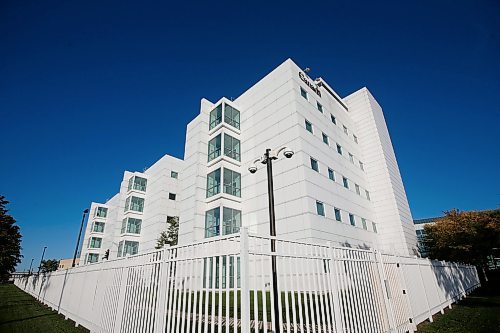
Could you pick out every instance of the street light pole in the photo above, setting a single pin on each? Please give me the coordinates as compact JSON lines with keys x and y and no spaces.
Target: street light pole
{"x":43,"y":254}
{"x":31,"y":264}
{"x":79,"y":235}
{"x":272,"y":231}
{"x":267,"y":159}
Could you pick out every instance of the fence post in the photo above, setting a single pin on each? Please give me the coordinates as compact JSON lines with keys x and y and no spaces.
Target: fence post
{"x":429,"y":314}
{"x":385,"y":286}
{"x":121,"y":299}
{"x":245,"y":291}
{"x":407,"y":294}
{"x":162,"y":293}
{"x":334,"y":277}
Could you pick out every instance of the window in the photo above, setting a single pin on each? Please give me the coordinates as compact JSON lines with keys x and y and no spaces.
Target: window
{"x":334,"y":120}
{"x":345,"y":182}
{"x":374,"y":226}
{"x":361,"y":165}
{"x":95,"y":242}
{"x":231,"y":221}
{"x":215,"y":116}
{"x":174,"y":174}
{"x":213,"y":183}
{"x":314,"y":165}
{"x":172,"y":196}
{"x":338,"y":216}
{"x":231,"y":116}
{"x":232,"y":182}
{"x":134,"y":203}
{"x":331,"y":174}
{"x":232,"y":147}
{"x":357,"y":189}
{"x":367,"y":194}
{"x":214,"y":148}
{"x":355,"y":138}
{"x":325,"y":139}
{"x":137,"y":183}
{"x":351,"y":158}
{"x":339,"y":149}
{"x":92,"y":257}
{"x":320,"y":208}
{"x":303,"y":92}
{"x":98,"y":227}
{"x":345,"y":130}
{"x":131,"y":226}
{"x":127,"y":248}
{"x":212,"y":222}
{"x":101,"y":212}
{"x":363,"y":222}
{"x":352,"y":219}
{"x":319,"y":106}
{"x":309,"y":126}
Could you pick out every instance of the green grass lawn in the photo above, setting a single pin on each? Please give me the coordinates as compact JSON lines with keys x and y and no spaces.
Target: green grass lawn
{"x":20,"y":312}
{"x":477,"y":313}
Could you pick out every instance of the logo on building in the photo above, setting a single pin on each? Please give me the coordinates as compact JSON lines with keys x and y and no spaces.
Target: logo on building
{"x":309,"y":84}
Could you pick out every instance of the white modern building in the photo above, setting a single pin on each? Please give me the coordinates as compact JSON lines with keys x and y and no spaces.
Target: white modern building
{"x":342,"y":184}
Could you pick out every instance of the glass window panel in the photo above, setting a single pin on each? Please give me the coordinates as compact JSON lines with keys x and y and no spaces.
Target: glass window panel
{"x":374,"y":226}
{"x":357,"y":189}
{"x":355,"y":138}
{"x":214,"y":148}
{"x":314,"y":165}
{"x":212,"y":222}
{"x":231,"y":116}
{"x":172,"y":196}
{"x":345,"y":130}
{"x":320,"y":208}
{"x":363,"y":221}
{"x":215,"y":116}
{"x":213,"y":183}
{"x":232,"y":147}
{"x":361,"y":165}
{"x":174,"y":174}
{"x":232,"y":182}
{"x":120,"y":249}
{"x":352,"y":219}
{"x":331,"y":174}
{"x":140,"y":183}
{"x":130,"y":248}
{"x":133,"y":226}
{"x":339,"y":149}
{"x":320,"y":107}
{"x":101,"y":212}
{"x":95,"y":242}
{"x":98,"y":227}
{"x":338,"y":216}
{"x":325,"y":138}
{"x":92,"y":257}
{"x":127,"y":204}
{"x":334,"y":120}
{"x":303,"y":92}
{"x":231,"y":221}
{"x":136,"y":204}
{"x":351,"y":158}
{"x":367,"y":194}
{"x":345,"y":182}
{"x":309,"y":126}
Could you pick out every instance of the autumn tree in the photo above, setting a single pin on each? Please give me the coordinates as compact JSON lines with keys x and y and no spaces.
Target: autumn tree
{"x":10,"y":242}
{"x":170,"y":236}
{"x":467,"y":237}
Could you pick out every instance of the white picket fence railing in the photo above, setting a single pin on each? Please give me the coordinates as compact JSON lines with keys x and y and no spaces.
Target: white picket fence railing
{"x":224,"y":284}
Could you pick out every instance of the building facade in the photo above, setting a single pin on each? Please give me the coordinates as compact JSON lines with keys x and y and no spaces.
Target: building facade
{"x":342,"y":184}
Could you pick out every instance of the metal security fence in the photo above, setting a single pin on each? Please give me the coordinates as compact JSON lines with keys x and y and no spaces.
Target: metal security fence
{"x":224,"y":284}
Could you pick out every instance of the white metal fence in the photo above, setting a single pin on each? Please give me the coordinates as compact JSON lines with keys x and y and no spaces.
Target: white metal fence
{"x":225,"y":285}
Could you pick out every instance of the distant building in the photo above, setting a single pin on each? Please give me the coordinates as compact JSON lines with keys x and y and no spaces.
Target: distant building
{"x":66,"y":263}
{"x":419,"y":229}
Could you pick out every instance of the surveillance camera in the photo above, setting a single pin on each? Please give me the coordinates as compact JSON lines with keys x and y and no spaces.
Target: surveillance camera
{"x":252,"y":169}
{"x":288,"y":153}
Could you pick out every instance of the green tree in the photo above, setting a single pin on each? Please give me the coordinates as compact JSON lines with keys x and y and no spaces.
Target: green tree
{"x":49,"y":265}
{"x":170,"y":236}
{"x":467,"y":237}
{"x":10,"y":242}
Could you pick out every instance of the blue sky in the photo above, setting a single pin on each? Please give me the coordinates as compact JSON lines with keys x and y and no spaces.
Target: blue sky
{"x":90,"y":89}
